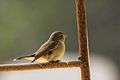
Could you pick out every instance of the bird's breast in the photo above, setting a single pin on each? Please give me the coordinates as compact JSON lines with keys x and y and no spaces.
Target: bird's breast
{"x":58,"y":53}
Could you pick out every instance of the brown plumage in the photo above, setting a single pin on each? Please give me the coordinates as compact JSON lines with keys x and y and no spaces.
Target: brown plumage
{"x":52,"y":50}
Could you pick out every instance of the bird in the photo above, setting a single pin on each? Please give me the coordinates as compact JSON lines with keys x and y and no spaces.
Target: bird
{"x":51,"y":51}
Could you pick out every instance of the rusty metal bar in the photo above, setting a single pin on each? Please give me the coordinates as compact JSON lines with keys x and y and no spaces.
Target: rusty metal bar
{"x":82,"y":39}
{"x":22,"y":67}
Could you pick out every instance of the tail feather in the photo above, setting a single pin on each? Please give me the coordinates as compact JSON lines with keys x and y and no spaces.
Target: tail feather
{"x":22,"y":57}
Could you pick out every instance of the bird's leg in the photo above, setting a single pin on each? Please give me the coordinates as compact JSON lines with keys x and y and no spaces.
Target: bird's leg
{"x":57,"y":61}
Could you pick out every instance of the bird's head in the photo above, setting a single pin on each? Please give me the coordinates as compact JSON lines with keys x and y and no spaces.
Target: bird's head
{"x":57,"y":36}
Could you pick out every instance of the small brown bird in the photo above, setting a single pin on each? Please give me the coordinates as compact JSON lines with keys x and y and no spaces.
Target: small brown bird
{"x":51,"y":51}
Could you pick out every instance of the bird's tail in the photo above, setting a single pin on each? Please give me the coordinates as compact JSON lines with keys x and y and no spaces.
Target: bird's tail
{"x":24,"y":57}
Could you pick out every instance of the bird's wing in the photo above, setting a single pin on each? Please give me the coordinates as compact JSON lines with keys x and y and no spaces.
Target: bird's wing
{"x":47,"y":48}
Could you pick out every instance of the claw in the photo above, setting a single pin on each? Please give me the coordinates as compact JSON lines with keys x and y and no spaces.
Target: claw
{"x":57,"y":61}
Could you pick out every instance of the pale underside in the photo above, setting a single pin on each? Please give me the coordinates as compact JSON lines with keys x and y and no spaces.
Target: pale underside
{"x":40,"y":60}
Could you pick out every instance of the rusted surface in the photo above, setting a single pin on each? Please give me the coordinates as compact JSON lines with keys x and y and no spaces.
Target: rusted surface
{"x":82,"y":39}
{"x":22,"y":67}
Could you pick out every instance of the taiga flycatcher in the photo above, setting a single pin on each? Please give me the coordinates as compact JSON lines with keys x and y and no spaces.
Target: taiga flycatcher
{"x":51,"y":51}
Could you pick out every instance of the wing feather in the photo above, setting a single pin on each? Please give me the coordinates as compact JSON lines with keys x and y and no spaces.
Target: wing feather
{"x":46,"y":48}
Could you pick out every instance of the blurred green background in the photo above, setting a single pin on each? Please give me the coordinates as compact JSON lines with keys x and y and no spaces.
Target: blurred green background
{"x":26,"y":24}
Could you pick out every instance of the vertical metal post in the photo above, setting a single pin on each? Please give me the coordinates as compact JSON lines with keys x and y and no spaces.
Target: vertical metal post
{"x":82,"y":39}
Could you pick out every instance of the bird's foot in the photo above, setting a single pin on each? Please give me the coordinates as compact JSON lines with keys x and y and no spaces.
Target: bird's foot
{"x":57,"y":61}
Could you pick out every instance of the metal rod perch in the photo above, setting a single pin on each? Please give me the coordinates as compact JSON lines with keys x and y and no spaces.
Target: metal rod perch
{"x":21,"y":67}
